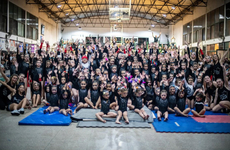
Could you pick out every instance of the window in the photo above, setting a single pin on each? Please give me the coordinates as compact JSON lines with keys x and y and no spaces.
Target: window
{"x":118,"y":40}
{"x":42,"y":29}
{"x":101,"y":38}
{"x":227,"y":19}
{"x":88,"y":42}
{"x":187,"y":32}
{"x":3,"y":15}
{"x":203,"y":34}
{"x":215,"y":23}
{"x":128,"y":39}
{"x":142,"y":40}
{"x":108,"y":37}
{"x":16,"y":20}
{"x":32,"y":26}
{"x":198,"y":27}
{"x":211,"y":49}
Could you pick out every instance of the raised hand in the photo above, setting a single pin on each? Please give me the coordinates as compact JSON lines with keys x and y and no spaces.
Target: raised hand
{"x":16,"y":64}
{"x":143,"y":86}
{"x":113,"y":86}
{"x":102,"y":86}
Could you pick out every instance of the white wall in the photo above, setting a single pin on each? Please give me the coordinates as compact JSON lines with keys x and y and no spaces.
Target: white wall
{"x":70,"y":32}
{"x":177,"y":29}
{"x":51,"y":29}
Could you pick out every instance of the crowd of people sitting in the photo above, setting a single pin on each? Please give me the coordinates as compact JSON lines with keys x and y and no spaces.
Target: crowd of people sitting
{"x":107,"y":76}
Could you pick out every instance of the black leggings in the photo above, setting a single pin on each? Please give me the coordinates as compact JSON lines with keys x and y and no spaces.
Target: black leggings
{"x":4,"y":101}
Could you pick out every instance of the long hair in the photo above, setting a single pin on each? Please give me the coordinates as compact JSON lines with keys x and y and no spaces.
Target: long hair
{"x":13,"y":75}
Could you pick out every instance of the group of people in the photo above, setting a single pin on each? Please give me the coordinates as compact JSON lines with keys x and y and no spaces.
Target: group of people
{"x":107,"y":76}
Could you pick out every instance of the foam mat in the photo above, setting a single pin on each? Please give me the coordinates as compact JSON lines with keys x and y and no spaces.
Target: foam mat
{"x":86,"y":113}
{"x":53,"y":119}
{"x":189,"y":125}
{"x":110,"y":124}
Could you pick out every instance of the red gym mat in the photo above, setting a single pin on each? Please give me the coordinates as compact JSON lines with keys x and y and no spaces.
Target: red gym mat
{"x":213,"y":119}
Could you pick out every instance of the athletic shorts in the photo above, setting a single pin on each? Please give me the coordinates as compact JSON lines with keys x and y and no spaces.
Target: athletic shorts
{"x":191,"y":98}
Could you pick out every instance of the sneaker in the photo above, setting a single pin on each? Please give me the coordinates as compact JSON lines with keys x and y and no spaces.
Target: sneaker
{"x":21,"y":111}
{"x":44,"y":111}
{"x":15,"y":113}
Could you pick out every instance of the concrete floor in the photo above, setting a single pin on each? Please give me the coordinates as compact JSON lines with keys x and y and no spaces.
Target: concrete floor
{"x":15,"y":137}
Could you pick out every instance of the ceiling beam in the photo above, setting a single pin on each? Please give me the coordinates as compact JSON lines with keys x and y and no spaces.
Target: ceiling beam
{"x":182,"y":13}
{"x":49,"y":12}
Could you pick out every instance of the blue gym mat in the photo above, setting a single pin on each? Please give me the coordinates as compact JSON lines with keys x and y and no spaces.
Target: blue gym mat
{"x":53,"y":119}
{"x":188,"y":124}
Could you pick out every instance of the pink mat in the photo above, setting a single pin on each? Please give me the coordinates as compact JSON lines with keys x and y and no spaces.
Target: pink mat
{"x":213,"y":119}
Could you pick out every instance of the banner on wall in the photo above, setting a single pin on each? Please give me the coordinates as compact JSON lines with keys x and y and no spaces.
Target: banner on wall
{"x":32,"y":48}
{"x":20,"y":47}
{"x":2,"y":44}
{"x":12,"y":45}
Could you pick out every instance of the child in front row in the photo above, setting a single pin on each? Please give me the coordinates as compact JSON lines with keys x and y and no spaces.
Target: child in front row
{"x":36,"y":94}
{"x":105,"y":106}
{"x":172,"y":99}
{"x":199,"y":105}
{"x":94,"y":95}
{"x":19,"y":101}
{"x":83,"y":96}
{"x":163,"y":106}
{"x":64,"y":101}
{"x":139,"y":103}
{"x":181,"y":102}
{"x":53,"y":100}
{"x":122,"y":99}
{"x":47,"y":95}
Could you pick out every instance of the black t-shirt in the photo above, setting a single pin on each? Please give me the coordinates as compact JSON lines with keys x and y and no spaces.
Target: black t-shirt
{"x":12,"y":69}
{"x":211,"y":91}
{"x":17,"y":98}
{"x":23,"y":68}
{"x":156,"y":39}
{"x":4,"y":91}
{"x":223,"y":94}
{"x":217,"y":71}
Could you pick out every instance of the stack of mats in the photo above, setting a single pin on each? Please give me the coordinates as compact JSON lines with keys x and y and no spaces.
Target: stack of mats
{"x":53,"y":119}
{"x":212,"y":123}
{"x":86,"y":118}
